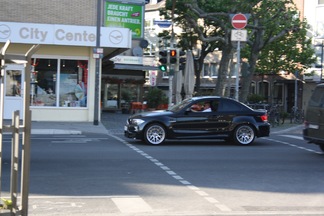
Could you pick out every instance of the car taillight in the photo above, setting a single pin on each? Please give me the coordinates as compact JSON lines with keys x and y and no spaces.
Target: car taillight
{"x":264,"y":117}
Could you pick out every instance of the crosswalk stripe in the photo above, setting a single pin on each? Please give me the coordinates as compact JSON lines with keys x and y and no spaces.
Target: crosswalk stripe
{"x":294,"y":137}
{"x":131,"y":205}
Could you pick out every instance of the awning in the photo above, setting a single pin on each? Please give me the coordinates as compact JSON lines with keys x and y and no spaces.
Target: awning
{"x":134,"y":67}
{"x":287,"y":78}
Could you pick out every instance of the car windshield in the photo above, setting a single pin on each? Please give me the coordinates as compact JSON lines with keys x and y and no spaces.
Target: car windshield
{"x":181,"y":105}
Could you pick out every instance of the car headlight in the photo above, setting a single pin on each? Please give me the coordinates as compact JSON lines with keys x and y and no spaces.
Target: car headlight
{"x":137,"y":121}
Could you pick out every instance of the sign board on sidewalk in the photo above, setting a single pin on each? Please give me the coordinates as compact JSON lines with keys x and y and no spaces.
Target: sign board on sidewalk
{"x":162,"y":23}
{"x":238,"y":35}
{"x":239,"y":21}
{"x":152,"y":77}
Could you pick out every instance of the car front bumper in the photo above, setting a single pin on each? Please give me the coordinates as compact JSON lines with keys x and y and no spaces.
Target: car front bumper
{"x":133,"y":131}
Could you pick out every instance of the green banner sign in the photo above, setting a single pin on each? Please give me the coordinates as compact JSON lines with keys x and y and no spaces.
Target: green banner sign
{"x":125,"y":16}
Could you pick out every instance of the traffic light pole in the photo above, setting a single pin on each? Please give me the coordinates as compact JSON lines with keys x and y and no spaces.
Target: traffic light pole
{"x":170,"y":62}
{"x":172,"y":45}
{"x":170,"y":90}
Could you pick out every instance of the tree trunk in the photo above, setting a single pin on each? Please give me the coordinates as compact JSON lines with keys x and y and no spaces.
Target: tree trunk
{"x":198,"y":66}
{"x":246,"y":78}
{"x":199,"y":63}
{"x":231,"y":72}
{"x":223,"y":70}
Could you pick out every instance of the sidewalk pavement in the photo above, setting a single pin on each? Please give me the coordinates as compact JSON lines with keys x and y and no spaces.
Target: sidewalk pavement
{"x":287,"y":127}
{"x":111,"y":123}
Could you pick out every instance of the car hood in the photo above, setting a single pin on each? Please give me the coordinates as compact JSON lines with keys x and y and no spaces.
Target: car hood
{"x":152,"y":114}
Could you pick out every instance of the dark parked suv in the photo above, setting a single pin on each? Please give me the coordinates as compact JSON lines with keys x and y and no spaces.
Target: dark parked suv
{"x":314,"y":118}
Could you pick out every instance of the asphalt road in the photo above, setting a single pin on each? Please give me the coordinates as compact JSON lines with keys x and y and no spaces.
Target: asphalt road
{"x":94,"y":174}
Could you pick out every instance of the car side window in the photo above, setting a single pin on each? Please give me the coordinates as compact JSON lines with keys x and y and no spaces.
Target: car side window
{"x":228,"y":105}
{"x":214,"y":105}
{"x":317,"y":99}
{"x":205,"y":106}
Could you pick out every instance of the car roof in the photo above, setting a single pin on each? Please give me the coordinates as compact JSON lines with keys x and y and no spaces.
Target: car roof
{"x":206,"y":97}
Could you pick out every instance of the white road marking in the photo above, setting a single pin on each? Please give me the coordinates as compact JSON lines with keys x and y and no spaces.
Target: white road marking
{"x":294,"y":137}
{"x":197,"y":190}
{"x":292,"y":145}
{"x":131,"y":205}
{"x":202,"y":193}
{"x":211,"y":199}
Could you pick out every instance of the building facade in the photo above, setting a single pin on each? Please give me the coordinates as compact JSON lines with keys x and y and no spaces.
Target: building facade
{"x":64,"y":69}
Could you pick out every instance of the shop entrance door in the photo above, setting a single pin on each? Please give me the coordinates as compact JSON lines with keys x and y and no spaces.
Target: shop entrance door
{"x":13,"y":95}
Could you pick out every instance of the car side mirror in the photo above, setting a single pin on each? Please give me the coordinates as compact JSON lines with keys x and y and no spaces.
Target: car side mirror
{"x":188,"y":110}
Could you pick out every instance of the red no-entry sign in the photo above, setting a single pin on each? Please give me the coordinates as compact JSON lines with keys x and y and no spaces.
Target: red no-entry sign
{"x":239,"y":21}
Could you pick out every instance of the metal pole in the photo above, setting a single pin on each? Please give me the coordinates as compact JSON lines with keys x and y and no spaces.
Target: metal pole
{"x":2,"y":65}
{"x":14,"y":161}
{"x":322,"y":62}
{"x":97,"y":89}
{"x":296,"y":91}
{"x":171,"y":45}
{"x":25,"y":169}
{"x":170,"y":90}
{"x":238,"y":70}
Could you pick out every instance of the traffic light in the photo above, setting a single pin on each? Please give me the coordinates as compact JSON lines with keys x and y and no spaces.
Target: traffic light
{"x":163,"y":68}
{"x":163,"y":59}
{"x":181,"y":59}
{"x":173,"y":56}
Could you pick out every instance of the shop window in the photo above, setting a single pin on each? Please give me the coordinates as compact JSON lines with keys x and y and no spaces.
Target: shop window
{"x":206,"y":70}
{"x":59,"y":83}
{"x":43,"y":82}
{"x":213,"y":68}
{"x":73,"y":83}
{"x":278,"y":93}
{"x":264,"y":89}
{"x":252,"y":88}
{"x":13,"y":83}
{"x":210,"y":70}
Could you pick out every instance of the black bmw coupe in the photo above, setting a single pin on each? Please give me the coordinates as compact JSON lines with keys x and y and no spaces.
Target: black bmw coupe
{"x":207,"y":117}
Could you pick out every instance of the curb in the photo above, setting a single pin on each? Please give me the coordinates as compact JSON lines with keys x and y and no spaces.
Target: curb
{"x":54,"y":131}
{"x":284,"y":130}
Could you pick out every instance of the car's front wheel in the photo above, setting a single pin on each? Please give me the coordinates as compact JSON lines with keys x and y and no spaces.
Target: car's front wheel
{"x":154,"y":134}
{"x":244,"y":134}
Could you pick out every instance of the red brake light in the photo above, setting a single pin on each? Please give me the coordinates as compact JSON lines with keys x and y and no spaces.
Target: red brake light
{"x":264,"y":117}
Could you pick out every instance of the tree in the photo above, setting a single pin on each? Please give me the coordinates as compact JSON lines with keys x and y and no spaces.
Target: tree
{"x":277,"y":41}
{"x":189,"y":38}
{"x":272,"y":23}
{"x":217,"y":15}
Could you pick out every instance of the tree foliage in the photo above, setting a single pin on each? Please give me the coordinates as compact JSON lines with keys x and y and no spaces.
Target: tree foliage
{"x":276,"y":36}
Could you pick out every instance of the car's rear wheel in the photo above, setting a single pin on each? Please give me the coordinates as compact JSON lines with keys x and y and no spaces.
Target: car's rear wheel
{"x":244,"y":134}
{"x":321,"y":147}
{"x":154,"y":134}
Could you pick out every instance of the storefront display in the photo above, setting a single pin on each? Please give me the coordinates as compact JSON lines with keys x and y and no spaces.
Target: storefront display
{"x":13,"y":83}
{"x":59,"y":83}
